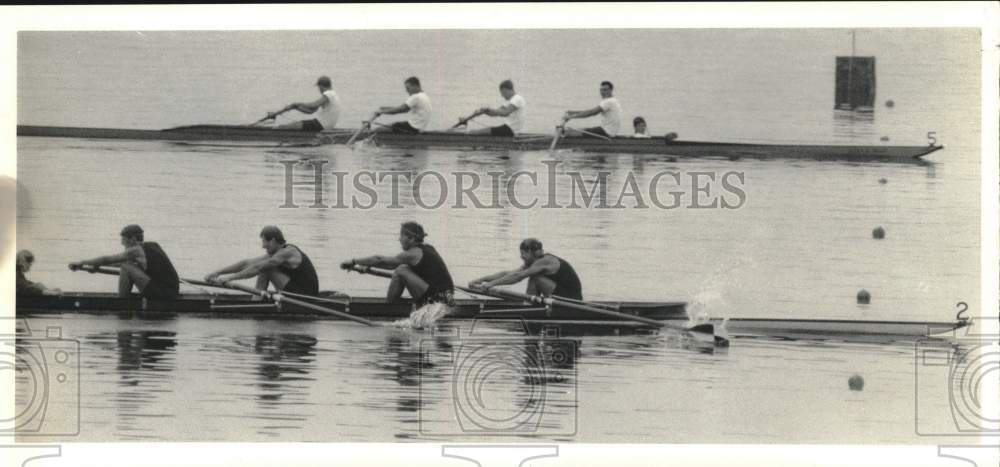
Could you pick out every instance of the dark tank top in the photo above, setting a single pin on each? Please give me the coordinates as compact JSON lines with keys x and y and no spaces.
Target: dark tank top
{"x":302,"y":279}
{"x":433,"y":271}
{"x":567,"y":282}
{"x":159,"y":268}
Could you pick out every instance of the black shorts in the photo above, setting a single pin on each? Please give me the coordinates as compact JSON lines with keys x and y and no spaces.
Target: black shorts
{"x":295,"y":287}
{"x":596,"y":131}
{"x":156,"y":291}
{"x":446,"y":297}
{"x":502,"y":130}
{"x":312,"y":125}
{"x":404,"y":127}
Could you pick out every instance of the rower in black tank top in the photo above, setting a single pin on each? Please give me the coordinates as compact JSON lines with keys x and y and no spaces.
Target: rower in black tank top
{"x":567,"y":282}
{"x":433,"y":271}
{"x":303,"y":279}
{"x":163,"y":281}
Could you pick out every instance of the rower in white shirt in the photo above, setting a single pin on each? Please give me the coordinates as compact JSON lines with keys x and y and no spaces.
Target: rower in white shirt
{"x":609,"y":109}
{"x":418,"y":107}
{"x":512,"y":112}
{"x":325,"y":110}
{"x":639,"y":125}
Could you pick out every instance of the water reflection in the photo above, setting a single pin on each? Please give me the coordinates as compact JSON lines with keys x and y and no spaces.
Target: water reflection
{"x":853,"y":125}
{"x":145,"y":363}
{"x":284,"y":360}
{"x":144,"y":351}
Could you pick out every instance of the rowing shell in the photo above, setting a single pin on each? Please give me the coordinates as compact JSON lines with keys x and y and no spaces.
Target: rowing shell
{"x":527,"y":142}
{"x":238,"y":306}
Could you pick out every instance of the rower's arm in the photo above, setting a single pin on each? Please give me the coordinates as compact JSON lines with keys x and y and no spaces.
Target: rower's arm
{"x":501,"y":111}
{"x":132,"y":254}
{"x":491,"y":277}
{"x":235,"y":267}
{"x":387,"y":110}
{"x":288,"y":256}
{"x":541,"y":266}
{"x":409,"y":257}
{"x":307,"y":107}
{"x":571,"y":114}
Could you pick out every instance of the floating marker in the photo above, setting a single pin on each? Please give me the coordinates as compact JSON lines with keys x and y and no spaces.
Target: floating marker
{"x":856,"y":383}
{"x":864,"y":297}
{"x":884,"y":138}
{"x":878,"y":233}
{"x":883,"y":181}
{"x":890,"y":103}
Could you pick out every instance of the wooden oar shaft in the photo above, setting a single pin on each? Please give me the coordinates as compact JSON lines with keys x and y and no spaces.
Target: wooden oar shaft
{"x":550,"y":301}
{"x":364,"y":125}
{"x":595,"y":135}
{"x":279,"y":297}
{"x":373,"y":271}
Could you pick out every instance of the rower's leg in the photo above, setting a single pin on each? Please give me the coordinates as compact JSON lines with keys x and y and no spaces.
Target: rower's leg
{"x":131,"y":274}
{"x":404,"y":277}
{"x":538,"y":285}
{"x":273,"y":276}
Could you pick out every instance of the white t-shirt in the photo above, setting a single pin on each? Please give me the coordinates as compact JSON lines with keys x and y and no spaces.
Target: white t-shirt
{"x":420,"y":110}
{"x":611,"y":115}
{"x":328,"y":114}
{"x":515,"y":119}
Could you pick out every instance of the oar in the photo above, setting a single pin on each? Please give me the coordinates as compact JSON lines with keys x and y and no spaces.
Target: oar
{"x":595,"y":135}
{"x":555,"y":139}
{"x":96,"y":270}
{"x":465,"y":120}
{"x":365,"y":125}
{"x":279,"y":297}
{"x":703,"y":329}
{"x":269,"y":116}
{"x":373,"y":271}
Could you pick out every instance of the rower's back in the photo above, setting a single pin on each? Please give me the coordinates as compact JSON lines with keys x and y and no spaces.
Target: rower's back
{"x":567,"y":282}
{"x":431,"y":269}
{"x":159,"y":268}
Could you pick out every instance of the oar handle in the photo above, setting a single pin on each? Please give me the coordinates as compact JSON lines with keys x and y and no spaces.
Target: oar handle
{"x":370,"y":270}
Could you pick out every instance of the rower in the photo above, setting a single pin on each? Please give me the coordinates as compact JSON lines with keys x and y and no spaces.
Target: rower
{"x":284,"y":265}
{"x":325,"y":110}
{"x":23,"y":286}
{"x":547,"y":274}
{"x":418,"y":105}
{"x":512,"y":112}
{"x":143,"y":264}
{"x":418,"y":268}
{"x":609,"y":109}
{"x":639,"y":125}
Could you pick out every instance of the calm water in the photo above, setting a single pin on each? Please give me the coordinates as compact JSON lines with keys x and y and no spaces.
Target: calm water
{"x":800,"y":246}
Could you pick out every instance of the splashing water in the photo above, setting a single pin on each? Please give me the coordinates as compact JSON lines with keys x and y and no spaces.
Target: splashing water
{"x":424,"y":317}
